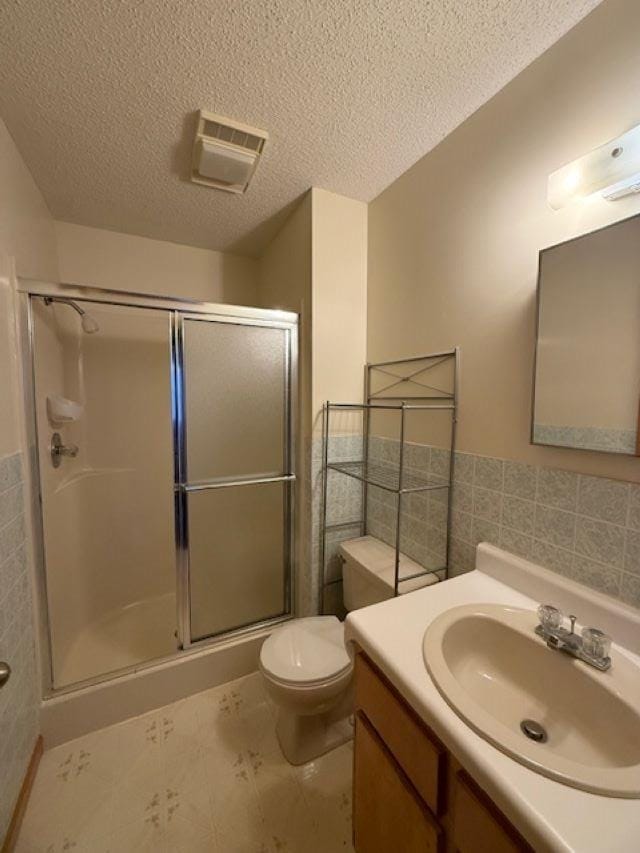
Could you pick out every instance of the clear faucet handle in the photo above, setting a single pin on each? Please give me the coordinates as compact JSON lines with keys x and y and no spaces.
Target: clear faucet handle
{"x":596,"y":643}
{"x":550,"y":617}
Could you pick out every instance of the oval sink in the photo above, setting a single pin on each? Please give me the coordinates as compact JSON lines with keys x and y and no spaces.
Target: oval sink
{"x":547,"y":710}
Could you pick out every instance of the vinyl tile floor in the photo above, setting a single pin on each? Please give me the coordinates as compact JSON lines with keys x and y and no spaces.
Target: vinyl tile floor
{"x":205,"y":774}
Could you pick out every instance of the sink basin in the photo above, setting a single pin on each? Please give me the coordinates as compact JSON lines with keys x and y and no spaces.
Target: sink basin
{"x":495,"y":673}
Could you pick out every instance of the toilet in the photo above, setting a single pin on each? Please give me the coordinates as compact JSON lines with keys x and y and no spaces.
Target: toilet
{"x":369,"y":572}
{"x":308,"y":674}
{"x":306,"y":666}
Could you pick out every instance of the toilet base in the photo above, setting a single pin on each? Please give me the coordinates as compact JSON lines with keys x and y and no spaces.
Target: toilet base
{"x":303,"y":738}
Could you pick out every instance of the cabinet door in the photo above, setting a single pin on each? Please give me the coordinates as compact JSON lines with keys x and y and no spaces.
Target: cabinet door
{"x":478,"y":827}
{"x":414,"y":748}
{"x":388,"y":814}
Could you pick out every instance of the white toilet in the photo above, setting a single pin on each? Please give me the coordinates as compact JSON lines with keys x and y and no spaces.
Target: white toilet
{"x":307,"y":672}
{"x":306,"y":666}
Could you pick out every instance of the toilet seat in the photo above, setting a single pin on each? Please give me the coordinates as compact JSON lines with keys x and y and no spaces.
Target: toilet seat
{"x":306,"y":652}
{"x":300,"y":686}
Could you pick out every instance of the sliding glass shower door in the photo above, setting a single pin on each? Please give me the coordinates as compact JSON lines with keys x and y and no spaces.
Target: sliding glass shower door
{"x":163,"y":491}
{"x":234,"y":467}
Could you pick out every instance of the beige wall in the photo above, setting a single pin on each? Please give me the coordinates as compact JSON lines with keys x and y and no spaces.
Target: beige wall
{"x":339,"y":293}
{"x":284,"y":274}
{"x":28,"y":247}
{"x":26,"y":227}
{"x":285,"y":282}
{"x":117,"y":261}
{"x":285,"y":265}
{"x":454,"y":242}
{"x":317,"y":266}
{"x":339,"y":312}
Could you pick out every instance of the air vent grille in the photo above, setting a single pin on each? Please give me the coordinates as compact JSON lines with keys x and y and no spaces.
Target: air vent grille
{"x":241,"y":138}
{"x":225,"y":153}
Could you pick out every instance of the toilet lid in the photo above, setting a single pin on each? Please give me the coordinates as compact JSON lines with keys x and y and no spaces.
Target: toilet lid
{"x":306,"y":650}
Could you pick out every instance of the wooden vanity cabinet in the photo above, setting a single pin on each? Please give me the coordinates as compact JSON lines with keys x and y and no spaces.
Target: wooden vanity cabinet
{"x":409,"y":792}
{"x":389,"y":814}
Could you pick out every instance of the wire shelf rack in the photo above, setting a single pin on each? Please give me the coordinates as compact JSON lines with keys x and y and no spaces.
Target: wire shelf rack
{"x":388,"y":477}
{"x":403,"y":386}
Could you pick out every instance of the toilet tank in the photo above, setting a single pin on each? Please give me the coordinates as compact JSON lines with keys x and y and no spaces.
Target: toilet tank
{"x":368,"y":572}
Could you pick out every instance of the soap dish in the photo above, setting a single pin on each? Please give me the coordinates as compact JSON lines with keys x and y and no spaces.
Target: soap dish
{"x":60,"y":410}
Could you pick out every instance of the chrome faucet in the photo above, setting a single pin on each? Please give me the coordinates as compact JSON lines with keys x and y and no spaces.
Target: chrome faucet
{"x":592,"y":646}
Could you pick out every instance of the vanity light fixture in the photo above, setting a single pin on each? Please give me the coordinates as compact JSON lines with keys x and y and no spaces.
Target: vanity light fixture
{"x":612,"y":170}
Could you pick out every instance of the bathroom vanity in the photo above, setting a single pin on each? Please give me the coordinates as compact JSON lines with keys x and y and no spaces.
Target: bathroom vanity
{"x":410,"y":793}
{"x":425,"y":780}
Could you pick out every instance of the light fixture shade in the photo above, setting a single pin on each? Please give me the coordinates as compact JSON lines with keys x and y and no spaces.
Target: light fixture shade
{"x":223,"y":164}
{"x":612,"y":169}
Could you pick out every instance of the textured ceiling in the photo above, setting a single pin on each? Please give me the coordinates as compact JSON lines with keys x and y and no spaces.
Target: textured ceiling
{"x":100,"y":95}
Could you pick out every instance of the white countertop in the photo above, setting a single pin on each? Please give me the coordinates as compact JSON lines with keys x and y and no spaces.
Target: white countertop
{"x":550,"y":815}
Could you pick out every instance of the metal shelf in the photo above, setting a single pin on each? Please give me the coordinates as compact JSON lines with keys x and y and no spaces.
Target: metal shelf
{"x":400,"y":405}
{"x":343,"y":525}
{"x":387,"y":478}
{"x":419,"y":391}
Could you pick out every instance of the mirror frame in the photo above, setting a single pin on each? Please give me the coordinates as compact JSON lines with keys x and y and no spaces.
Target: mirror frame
{"x":541,"y":252}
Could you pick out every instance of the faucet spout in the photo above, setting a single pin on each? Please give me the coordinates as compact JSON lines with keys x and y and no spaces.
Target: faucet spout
{"x":557,"y":637}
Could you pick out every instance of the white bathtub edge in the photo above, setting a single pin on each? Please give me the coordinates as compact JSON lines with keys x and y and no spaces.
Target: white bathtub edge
{"x":73,"y":714}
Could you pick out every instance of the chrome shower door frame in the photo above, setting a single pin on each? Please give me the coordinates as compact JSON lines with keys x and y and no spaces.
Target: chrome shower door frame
{"x":177,"y":309}
{"x":183,"y":487}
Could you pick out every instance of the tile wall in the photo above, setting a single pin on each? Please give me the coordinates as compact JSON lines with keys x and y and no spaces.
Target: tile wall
{"x":588,"y":438}
{"x":19,"y":697}
{"x":423,"y":528}
{"x":344,"y":508}
{"x":586,"y":528}
{"x":423,"y":516}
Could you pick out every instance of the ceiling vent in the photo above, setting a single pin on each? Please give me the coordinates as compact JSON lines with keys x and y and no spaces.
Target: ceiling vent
{"x":225,"y":153}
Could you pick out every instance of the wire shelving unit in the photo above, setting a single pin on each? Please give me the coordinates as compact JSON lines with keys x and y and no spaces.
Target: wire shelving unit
{"x":407,"y":390}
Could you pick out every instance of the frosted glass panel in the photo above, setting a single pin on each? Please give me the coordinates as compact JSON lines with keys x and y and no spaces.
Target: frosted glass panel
{"x":236,"y":556}
{"x":235,"y":387}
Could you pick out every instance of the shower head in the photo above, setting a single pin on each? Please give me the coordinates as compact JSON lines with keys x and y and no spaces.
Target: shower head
{"x":89,"y":323}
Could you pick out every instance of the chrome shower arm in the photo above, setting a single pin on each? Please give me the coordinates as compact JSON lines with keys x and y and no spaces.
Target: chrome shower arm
{"x":64,"y":301}
{"x":89,"y":324}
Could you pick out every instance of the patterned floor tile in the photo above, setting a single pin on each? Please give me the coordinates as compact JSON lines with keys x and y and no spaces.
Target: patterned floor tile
{"x":204,"y":775}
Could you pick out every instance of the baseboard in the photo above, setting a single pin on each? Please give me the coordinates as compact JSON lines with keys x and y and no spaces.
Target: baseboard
{"x":11,"y":837}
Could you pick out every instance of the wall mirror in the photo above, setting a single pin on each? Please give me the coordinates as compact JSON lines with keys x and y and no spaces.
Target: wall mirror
{"x":587,"y":369}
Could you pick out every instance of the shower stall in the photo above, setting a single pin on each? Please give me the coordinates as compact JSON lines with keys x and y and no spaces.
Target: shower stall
{"x":163,"y":462}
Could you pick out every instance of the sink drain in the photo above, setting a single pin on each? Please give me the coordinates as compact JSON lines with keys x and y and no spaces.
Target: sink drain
{"x":534,"y":731}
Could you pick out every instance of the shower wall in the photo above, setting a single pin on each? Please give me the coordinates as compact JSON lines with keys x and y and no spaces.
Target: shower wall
{"x":108,"y":513}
